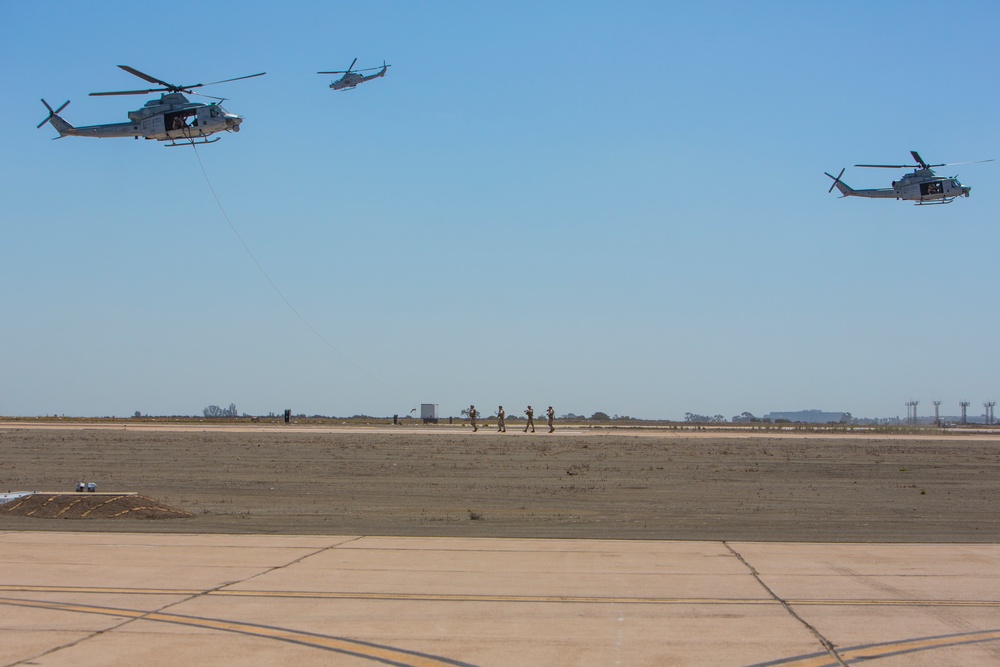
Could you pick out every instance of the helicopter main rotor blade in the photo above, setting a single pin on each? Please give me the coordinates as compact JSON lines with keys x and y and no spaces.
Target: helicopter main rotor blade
{"x":888,"y":166}
{"x":339,"y":71}
{"x":134,"y":92}
{"x":142,"y":75}
{"x":239,"y":78}
{"x":351,"y":66}
{"x":951,"y":164}
{"x":922,"y":165}
{"x":920,"y":160}
{"x":167,"y":87}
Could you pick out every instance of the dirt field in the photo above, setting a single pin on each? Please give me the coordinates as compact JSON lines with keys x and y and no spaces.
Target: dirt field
{"x":447,"y":481}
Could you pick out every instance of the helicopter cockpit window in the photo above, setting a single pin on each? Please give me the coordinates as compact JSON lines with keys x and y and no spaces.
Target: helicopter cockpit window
{"x":213,"y":112}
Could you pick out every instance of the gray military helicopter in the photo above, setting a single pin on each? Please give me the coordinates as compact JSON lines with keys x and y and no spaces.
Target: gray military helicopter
{"x":922,"y":186}
{"x":351,"y":77}
{"x":171,"y":118}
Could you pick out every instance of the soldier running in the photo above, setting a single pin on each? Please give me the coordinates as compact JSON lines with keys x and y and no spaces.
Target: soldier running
{"x":531,"y":419}
{"x":472,"y":418}
{"x":501,"y":424}
{"x":552,"y":415}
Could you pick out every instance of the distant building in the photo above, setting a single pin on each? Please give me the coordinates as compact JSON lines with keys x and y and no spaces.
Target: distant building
{"x":809,"y":416}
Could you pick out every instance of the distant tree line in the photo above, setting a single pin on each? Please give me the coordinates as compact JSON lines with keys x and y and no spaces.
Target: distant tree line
{"x":703,"y":419}
{"x":216,"y":411}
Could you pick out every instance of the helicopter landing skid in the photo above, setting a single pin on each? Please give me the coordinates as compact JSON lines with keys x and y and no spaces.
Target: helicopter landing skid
{"x":935,"y":202}
{"x":191,"y":142}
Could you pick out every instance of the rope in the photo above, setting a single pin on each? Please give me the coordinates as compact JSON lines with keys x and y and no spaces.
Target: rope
{"x":260,"y":268}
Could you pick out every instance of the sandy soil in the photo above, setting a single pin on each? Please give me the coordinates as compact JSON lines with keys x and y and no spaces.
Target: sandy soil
{"x":384,"y":481}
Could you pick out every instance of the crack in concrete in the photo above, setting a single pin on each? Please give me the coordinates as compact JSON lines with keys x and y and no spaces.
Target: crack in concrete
{"x":826,"y":643}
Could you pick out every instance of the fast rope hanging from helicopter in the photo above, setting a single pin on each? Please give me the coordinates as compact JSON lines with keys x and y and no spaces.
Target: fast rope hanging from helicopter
{"x":274,"y":286}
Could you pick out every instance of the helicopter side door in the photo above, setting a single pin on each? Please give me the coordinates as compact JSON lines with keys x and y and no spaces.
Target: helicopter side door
{"x":932,"y":189}
{"x":176,"y":120}
{"x":909,"y":192}
{"x":153,"y":127}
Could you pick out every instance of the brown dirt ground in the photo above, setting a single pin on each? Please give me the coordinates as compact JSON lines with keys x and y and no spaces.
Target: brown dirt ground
{"x":451,"y":482}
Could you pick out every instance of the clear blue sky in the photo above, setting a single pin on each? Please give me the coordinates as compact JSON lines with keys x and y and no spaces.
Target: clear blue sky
{"x":598,"y":206}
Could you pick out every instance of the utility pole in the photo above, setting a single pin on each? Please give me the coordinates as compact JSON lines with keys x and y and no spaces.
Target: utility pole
{"x":989,"y":411}
{"x":937,"y":413}
{"x":965,"y":405}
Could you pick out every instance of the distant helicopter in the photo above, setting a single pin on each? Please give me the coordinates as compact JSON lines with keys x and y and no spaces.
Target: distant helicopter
{"x":922,"y":186}
{"x":171,"y":118}
{"x":351,"y":77}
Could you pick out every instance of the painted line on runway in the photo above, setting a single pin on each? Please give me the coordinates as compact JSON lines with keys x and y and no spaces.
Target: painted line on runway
{"x":375,"y":652}
{"x":397,"y":597}
{"x":405,"y":658}
{"x":15,"y":588}
{"x":470,"y":597}
{"x":433,"y":597}
{"x":896,"y":603}
{"x":886,"y":649}
{"x":443,"y":597}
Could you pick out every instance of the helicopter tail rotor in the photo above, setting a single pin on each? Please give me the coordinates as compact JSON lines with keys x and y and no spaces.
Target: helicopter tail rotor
{"x":52,"y":114}
{"x":62,"y":127}
{"x":845,"y":190}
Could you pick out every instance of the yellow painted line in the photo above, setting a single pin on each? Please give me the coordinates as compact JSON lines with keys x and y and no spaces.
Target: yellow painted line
{"x":895,"y":603}
{"x":384,"y":654}
{"x":910,"y":646}
{"x":421,"y":597}
{"x":443,"y":597}
{"x":403,"y":658}
{"x":825,"y":660}
{"x":603,"y":600}
{"x":888,"y":649}
{"x":15,"y":588}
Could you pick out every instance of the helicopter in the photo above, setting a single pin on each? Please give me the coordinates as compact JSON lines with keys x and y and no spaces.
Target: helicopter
{"x":351,"y":77}
{"x":171,"y":118}
{"x":922,"y":186}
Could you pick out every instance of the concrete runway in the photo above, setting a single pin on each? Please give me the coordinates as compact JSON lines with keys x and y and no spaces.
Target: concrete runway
{"x":148,"y":599}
